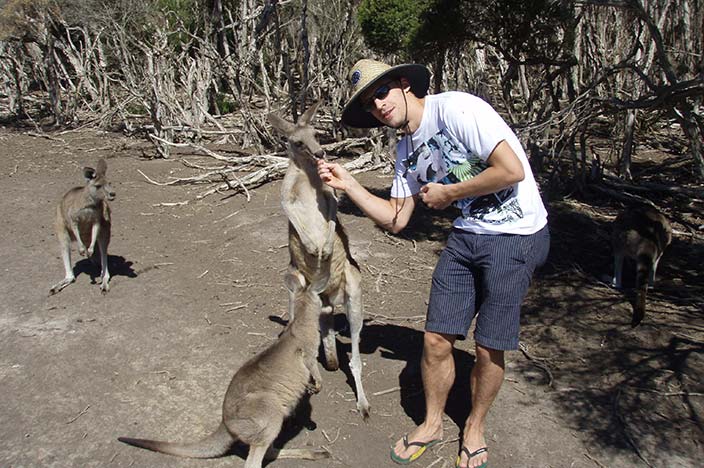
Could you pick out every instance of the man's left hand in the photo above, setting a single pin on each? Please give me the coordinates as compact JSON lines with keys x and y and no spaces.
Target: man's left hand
{"x":436,"y":196}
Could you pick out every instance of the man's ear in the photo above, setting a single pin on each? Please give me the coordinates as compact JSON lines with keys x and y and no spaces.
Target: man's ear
{"x":405,"y":84}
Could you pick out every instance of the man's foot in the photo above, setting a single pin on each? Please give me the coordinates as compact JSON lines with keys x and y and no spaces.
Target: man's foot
{"x":471,"y":457}
{"x":473,"y":453}
{"x":413,"y":445}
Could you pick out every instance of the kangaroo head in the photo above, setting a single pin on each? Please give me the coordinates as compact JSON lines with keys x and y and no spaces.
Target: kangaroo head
{"x":97,"y":184}
{"x":305,"y":294}
{"x":303,"y":144}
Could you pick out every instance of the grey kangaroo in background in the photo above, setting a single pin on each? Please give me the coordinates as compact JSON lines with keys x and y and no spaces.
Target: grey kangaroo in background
{"x":317,"y":240}
{"x":640,"y":233}
{"x":265,"y":390}
{"x":83,"y":215}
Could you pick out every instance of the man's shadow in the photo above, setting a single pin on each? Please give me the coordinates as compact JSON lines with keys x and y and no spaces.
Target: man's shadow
{"x":406,"y":344}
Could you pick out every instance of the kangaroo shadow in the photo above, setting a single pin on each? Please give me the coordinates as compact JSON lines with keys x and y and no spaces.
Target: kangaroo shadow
{"x":292,"y":426}
{"x":117,"y":266}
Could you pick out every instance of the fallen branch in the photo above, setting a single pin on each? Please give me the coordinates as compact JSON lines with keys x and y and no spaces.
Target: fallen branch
{"x":387,"y":391}
{"x":537,"y":362}
{"x":79,"y":415}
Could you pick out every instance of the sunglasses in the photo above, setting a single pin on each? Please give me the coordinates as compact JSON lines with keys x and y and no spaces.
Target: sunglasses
{"x":380,"y":93}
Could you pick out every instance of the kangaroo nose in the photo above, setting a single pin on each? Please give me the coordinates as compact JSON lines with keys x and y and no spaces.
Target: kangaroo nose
{"x":320,"y":154}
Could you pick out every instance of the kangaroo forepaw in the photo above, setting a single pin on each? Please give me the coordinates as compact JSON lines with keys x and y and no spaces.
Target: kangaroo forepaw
{"x":314,"y":388}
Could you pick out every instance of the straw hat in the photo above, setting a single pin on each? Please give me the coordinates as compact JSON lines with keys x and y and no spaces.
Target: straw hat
{"x":366,"y":73}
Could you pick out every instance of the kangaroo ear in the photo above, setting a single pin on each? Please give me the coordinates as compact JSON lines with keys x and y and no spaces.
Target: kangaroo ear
{"x":89,"y":173}
{"x":309,"y":114}
{"x":284,"y":127}
{"x":294,"y":282}
{"x":102,"y":167}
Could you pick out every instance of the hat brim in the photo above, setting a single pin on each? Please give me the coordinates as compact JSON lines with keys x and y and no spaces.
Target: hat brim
{"x":353,"y":115}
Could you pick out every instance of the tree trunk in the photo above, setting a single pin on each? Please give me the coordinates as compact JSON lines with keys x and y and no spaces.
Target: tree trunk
{"x":306,"y":56}
{"x":627,"y":148}
{"x":437,"y":72}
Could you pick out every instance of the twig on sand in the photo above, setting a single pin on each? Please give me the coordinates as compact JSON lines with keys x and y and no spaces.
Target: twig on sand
{"x":537,"y":362}
{"x":384,"y":392}
{"x":412,"y":318}
{"x":337,"y":436}
{"x":594,"y":460}
{"x":79,"y":415}
{"x":626,"y":433}
{"x":44,"y":135}
{"x":438,"y":460}
{"x":446,"y":442}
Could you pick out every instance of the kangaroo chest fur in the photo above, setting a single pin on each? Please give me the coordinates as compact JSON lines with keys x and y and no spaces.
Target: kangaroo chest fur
{"x":312,"y":210}
{"x":91,"y":212}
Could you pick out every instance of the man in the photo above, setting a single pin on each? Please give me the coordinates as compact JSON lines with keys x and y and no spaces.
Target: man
{"x":455,"y":149}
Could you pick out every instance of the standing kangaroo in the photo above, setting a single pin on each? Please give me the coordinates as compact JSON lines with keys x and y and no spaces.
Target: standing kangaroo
{"x":83,"y":215}
{"x":641,"y":233}
{"x":265,"y":390}
{"x":316,"y":239}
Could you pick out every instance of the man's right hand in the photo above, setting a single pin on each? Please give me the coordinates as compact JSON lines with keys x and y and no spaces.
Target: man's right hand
{"x":334,"y":175}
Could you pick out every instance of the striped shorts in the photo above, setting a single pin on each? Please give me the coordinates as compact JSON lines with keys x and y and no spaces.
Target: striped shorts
{"x":486,"y":276}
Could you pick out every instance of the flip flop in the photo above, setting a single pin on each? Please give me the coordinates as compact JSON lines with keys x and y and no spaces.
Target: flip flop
{"x":479,"y":451}
{"x":423,"y":447}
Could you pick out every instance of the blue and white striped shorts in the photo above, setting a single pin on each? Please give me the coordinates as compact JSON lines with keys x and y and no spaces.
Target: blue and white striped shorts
{"x":486,"y":276}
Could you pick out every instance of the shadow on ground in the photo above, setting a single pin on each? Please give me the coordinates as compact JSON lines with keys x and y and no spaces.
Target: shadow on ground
{"x":627,"y":388}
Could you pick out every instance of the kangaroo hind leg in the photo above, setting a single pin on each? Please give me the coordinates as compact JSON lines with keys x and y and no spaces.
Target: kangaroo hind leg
{"x":327,"y":334}
{"x":65,"y":246}
{"x":355,"y":316}
{"x":104,"y":273}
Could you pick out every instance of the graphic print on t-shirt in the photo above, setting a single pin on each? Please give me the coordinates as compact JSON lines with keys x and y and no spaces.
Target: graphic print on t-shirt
{"x":444,"y":160}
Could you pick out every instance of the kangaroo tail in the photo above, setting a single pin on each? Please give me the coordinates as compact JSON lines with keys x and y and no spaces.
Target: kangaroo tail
{"x":301,"y":454}
{"x":216,"y":444}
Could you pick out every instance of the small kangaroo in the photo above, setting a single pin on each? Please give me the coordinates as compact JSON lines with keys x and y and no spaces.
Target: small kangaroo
{"x":265,"y":390}
{"x":317,"y":239}
{"x":83,"y":215}
{"x":641,"y":233}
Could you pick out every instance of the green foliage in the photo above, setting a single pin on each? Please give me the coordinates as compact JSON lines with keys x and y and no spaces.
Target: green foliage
{"x":389,"y":26}
{"x":225,"y":104}
{"x":538,"y":30}
{"x":182,"y":10}
{"x":534,"y":30}
{"x":416,"y":29}
{"x":441,"y":26}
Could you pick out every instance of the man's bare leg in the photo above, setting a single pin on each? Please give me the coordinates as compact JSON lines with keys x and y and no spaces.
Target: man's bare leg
{"x":487,"y":376}
{"x":438,"y":370}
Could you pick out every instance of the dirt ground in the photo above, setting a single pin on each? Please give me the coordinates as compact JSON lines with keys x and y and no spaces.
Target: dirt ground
{"x":197,"y":289}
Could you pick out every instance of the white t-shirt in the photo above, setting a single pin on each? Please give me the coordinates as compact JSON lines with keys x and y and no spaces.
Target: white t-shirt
{"x":457,"y":133}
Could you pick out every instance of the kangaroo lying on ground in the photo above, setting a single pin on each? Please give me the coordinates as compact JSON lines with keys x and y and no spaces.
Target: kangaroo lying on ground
{"x":83,"y":215}
{"x":641,"y":233}
{"x":265,"y":390}
{"x":317,"y":239}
